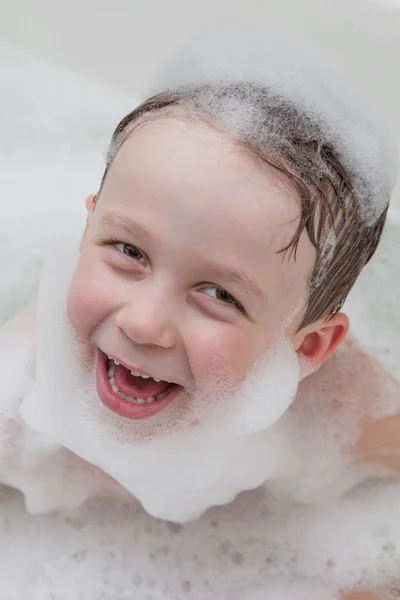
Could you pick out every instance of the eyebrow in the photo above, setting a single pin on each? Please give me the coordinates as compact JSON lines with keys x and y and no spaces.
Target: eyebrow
{"x":113,"y":219}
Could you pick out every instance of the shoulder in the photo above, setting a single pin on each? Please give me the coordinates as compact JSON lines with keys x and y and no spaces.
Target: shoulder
{"x":354,"y":378}
{"x":352,"y":373}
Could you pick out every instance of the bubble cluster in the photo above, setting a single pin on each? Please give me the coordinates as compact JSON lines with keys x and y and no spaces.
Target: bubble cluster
{"x":285,"y":89}
{"x":286,"y":552}
{"x":175,"y":469}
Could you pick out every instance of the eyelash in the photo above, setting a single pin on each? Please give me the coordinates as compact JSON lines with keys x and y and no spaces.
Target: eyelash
{"x":237,"y":305}
{"x":117,"y":242}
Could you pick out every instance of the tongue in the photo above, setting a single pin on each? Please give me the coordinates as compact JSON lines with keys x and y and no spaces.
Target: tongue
{"x":137,"y":387}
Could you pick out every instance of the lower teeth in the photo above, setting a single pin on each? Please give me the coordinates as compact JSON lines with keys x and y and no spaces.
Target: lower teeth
{"x":148,"y":400}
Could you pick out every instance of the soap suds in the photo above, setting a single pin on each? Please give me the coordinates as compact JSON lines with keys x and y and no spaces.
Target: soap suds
{"x":265,"y":61}
{"x":260,"y":545}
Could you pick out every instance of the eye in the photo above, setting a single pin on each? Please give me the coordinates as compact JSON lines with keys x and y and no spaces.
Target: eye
{"x":131,"y":251}
{"x":223,"y":296}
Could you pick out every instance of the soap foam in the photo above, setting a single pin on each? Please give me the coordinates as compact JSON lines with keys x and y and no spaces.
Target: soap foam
{"x":199,"y":452}
{"x":263,"y":58}
{"x":249,"y":550}
{"x":204,"y":448}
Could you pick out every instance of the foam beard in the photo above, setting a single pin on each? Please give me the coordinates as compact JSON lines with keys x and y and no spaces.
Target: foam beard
{"x":200,"y":451}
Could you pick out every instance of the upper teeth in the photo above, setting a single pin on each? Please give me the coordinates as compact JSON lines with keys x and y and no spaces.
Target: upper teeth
{"x":135,"y":373}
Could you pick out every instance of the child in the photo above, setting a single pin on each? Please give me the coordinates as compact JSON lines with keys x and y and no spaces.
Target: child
{"x":229,"y":227}
{"x":185,"y":326}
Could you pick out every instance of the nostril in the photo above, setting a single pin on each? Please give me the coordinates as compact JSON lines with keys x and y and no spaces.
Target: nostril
{"x":146,"y":327}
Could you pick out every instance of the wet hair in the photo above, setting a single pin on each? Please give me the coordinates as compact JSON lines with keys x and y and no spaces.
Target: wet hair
{"x":331,"y":212}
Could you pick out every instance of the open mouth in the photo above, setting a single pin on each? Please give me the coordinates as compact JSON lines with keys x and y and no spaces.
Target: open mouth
{"x":129,"y":393}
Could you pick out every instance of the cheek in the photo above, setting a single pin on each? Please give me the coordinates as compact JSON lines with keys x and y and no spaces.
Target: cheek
{"x":89,"y":299}
{"x":224,"y":350}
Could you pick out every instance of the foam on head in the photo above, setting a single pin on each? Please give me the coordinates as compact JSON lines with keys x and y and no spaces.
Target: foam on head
{"x":265,"y":61}
{"x":268,"y":90}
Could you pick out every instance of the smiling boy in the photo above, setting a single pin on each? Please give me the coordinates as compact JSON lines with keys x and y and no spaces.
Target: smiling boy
{"x":195,"y":346}
{"x":208,"y":285}
{"x":202,"y":312}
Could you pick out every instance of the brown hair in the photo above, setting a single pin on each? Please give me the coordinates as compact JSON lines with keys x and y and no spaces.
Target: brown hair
{"x":329,"y":206}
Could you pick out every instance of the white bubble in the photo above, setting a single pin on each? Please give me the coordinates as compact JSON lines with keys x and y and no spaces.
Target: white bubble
{"x":278,"y":72}
{"x":210,"y":444}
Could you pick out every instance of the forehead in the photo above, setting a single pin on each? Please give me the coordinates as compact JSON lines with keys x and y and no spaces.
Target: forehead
{"x":193,"y":181}
{"x":189,"y":160}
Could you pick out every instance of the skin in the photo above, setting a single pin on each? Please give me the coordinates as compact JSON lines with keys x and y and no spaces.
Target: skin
{"x":171,"y":312}
{"x":170,"y":308}
{"x":354,"y":375}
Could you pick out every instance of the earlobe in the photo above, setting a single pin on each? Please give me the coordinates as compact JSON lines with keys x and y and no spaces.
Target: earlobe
{"x":322,"y":340}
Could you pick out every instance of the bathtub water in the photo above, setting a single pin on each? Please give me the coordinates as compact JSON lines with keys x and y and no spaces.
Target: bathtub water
{"x":106,"y":552}
{"x":50,"y":154}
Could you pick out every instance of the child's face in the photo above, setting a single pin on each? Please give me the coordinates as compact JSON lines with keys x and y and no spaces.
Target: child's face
{"x":179,"y":275}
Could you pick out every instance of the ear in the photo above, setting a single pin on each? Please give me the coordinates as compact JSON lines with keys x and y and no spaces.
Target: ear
{"x":90,"y":204}
{"x":315,"y":344}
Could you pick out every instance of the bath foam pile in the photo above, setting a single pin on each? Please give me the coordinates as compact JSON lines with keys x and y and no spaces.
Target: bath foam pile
{"x":103,"y":551}
{"x":176,"y":470}
{"x":277,"y":76}
{"x":199,"y":452}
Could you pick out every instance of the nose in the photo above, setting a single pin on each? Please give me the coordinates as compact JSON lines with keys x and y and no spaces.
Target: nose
{"x":147,"y":320}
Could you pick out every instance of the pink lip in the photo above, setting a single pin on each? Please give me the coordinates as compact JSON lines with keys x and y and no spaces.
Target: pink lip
{"x":119,"y":405}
